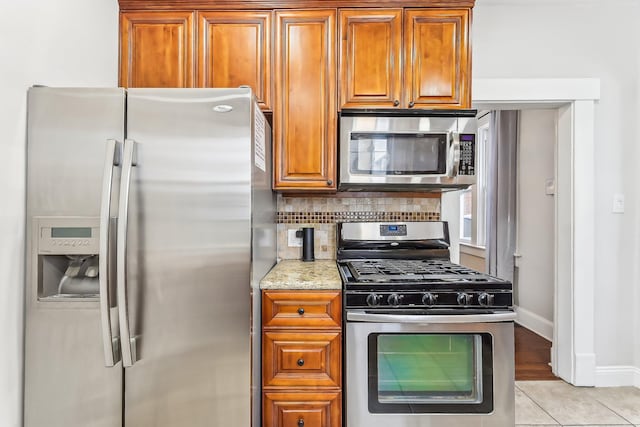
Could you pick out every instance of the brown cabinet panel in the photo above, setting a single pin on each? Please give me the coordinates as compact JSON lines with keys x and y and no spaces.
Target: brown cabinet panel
{"x":301,"y":409}
{"x":156,"y":49}
{"x":370,"y":58}
{"x":301,"y":359}
{"x":304,"y":116}
{"x":234,"y":49}
{"x":437,"y":55}
{"x":302,"y":309}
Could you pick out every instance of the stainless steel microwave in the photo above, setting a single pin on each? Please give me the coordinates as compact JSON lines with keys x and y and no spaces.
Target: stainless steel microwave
{"x":407,"y":150}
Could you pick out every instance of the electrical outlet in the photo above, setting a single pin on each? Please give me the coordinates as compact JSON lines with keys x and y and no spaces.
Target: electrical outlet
{"x":618,"y":203}
{"x":292,"y":240}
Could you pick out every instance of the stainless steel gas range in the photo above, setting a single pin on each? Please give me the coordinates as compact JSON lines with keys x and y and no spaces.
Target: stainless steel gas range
{"x":428,"y":342}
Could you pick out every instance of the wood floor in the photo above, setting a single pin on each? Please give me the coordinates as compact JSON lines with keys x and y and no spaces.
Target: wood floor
{"x":533,"y":354}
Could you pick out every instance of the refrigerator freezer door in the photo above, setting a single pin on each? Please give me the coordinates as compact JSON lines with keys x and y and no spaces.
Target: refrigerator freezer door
{"x":66,"y":381}
{"x":189,"y":257}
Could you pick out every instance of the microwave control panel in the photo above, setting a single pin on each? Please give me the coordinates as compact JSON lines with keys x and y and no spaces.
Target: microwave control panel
{"x":467,"y":154}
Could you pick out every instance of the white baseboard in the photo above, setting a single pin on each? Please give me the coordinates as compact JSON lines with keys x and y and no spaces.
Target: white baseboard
{"x":617,"y":376}
{"x":532,"y":321}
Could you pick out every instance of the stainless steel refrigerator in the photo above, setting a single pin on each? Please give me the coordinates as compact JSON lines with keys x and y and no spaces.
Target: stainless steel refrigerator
{"x":150,"y":221}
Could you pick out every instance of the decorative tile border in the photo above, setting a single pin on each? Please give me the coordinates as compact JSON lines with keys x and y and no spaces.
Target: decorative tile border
{"x":365,"y":216}
{"x":329,"y":210}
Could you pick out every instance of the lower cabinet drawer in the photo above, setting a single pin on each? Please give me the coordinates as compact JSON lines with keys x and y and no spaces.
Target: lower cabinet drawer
{"x":302,"y":309}
{"x":296,"y":359}
{"x":301,"y":409}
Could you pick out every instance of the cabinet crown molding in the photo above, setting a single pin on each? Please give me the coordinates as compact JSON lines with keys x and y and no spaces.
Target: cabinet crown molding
{"x":126,"y":5}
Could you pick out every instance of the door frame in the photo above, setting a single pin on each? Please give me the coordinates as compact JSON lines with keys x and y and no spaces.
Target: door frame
{"x":573,"y":351}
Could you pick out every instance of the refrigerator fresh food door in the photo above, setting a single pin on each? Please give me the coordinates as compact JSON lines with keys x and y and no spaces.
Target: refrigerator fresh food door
{"x":187,"y":257}
{"x":71,"y":136}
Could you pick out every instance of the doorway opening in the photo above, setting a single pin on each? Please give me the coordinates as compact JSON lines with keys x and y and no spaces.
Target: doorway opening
{"x":519,"y":214}
{"x":572,"y":102}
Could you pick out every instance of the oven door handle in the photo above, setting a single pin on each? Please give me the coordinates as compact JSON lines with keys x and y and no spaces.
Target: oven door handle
{"x":362,"y":316}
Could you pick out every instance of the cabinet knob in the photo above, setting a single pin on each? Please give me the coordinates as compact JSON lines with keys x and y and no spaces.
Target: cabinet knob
{"x":300,"y":362}
{"x":300,"y":422}
{"x":396,"y":103}
{"x":329,"y":182}
{"x":301,"y":311}
{"x":411,"y":104}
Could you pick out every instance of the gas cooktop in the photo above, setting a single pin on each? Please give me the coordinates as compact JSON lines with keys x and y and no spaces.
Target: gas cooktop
{"x":406,"y":266}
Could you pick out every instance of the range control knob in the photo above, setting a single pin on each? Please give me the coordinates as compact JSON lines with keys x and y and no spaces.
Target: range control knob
{"x":485,"y":299}
{"x":395,"y":300}
{"x":373,"y":300}
{"x":429,"y":299}
{"x":464,"y":298}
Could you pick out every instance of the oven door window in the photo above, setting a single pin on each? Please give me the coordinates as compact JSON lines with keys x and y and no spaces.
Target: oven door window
{"x":398,"y":153}
{"x":430,"y":373}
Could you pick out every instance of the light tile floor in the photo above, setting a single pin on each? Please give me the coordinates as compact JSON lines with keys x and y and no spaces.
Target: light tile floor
{"x":556,"y":403}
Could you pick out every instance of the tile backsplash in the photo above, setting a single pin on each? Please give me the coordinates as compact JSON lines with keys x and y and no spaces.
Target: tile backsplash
{"x":322,"y":213}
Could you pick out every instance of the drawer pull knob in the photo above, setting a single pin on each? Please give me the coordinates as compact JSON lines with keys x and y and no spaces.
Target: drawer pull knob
{"x":300,"y":422}
{"x":301,"y":311}
{"x":300,"y":362}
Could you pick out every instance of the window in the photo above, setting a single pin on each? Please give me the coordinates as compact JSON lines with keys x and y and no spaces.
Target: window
{"x":473,"y":200}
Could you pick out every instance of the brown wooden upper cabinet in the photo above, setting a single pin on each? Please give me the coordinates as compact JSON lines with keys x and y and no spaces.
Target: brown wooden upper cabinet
{"x":156,"y":49}
{"x":370,"y":57}
{"x":413,"y":58}
{"x":234,"y":49}
{"x":304,"y":112}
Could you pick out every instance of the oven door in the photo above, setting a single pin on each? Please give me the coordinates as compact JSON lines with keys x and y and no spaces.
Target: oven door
{"x":416,"y":370}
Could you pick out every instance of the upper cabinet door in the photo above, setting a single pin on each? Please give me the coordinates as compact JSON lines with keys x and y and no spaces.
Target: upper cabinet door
{"x":234,"y":49}
{"x":437,"y":58}
{"x":304,"y":116}
{"x":156,"y":49}
{"x":370,"y":58}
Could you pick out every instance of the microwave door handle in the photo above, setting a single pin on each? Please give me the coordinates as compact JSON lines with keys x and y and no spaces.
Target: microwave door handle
{"x":109,"y":341}
{"x":128,"y":343}
{"x":454,"y":154}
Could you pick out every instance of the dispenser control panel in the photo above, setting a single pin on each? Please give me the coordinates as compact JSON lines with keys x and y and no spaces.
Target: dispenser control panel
{"x":68,"y":235}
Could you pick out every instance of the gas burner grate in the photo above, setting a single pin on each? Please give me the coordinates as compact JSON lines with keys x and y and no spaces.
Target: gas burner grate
{"x":379,"y":270}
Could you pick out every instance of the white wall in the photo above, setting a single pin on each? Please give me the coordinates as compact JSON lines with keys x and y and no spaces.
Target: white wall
{"x":55,"y":43}
{"x":535,"y":242}
{"x":637,"y":235}
{"x":450,"y":212}
{"x":585,"y":38}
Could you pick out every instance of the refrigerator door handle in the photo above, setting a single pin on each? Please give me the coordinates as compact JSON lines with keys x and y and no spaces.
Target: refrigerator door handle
{"x":128,"y":343}
{"x":109,"y":341}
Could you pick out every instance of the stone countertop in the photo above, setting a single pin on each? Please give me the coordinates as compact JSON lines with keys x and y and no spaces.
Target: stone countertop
{"x":295,"y":275}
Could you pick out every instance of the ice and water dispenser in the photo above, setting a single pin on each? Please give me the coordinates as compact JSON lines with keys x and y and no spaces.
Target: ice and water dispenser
{"x":67,"y":253}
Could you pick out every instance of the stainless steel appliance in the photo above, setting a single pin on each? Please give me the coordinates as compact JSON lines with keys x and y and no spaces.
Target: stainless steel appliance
{"x":150,"y":221}
{"x":428,"y":342}
{"x":415,"y":150}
